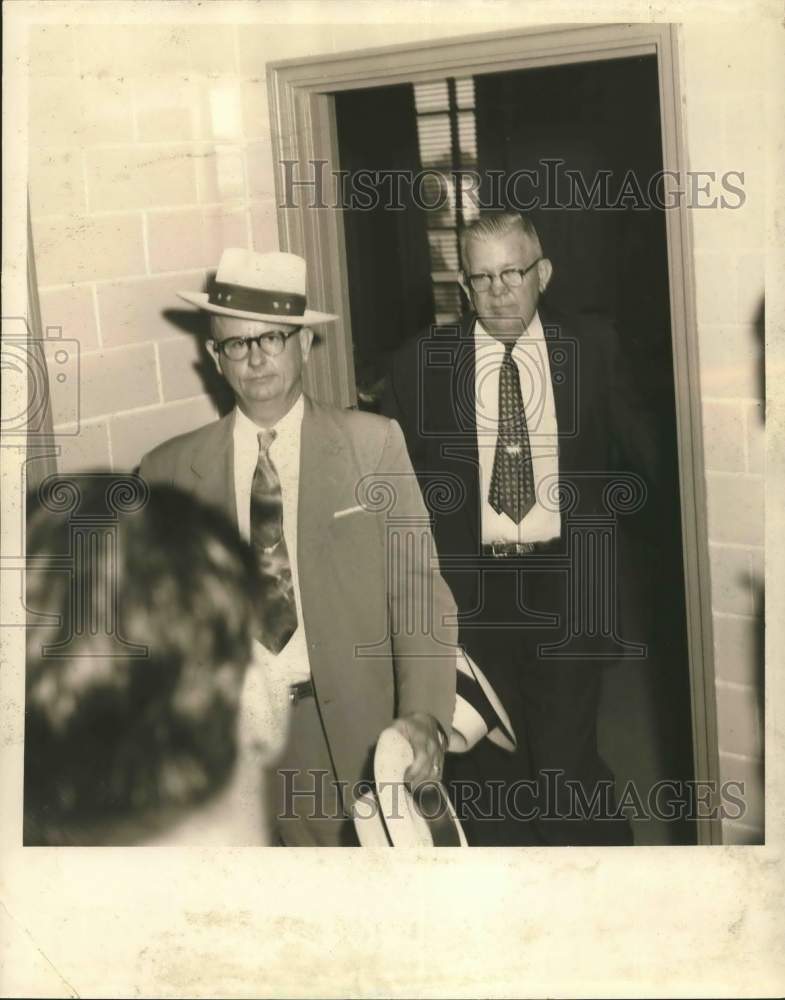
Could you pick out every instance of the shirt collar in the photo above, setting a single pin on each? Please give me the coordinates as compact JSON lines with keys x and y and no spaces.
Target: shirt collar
{"x":534,"y":331}
{"x":287,"y":426}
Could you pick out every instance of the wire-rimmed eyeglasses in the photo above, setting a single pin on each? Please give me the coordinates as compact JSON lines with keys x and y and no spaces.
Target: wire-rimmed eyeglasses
{"x":512,"y":277}
{"x":272,"y":343}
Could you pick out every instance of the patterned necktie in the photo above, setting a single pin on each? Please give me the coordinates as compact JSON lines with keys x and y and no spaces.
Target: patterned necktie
{"x":512,"y":481}
{"x":278,"y":612}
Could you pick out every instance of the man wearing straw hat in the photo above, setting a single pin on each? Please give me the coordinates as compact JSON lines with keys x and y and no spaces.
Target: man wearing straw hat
{"x":335,"y":632}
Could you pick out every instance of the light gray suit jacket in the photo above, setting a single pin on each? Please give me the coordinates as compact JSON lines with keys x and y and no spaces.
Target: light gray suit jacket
{"x":378,"y":644}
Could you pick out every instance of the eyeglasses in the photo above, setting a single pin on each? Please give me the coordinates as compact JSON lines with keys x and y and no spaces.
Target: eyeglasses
{"x":271,"y":343}
{"x":512,"y":277}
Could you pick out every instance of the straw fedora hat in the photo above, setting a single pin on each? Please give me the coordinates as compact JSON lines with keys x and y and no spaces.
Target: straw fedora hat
{"x":263,"y":286}
{"x":391,"y":816}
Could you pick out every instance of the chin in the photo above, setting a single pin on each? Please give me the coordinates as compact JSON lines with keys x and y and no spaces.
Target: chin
{"x":512,"y":323}
{"x":262,"y":389}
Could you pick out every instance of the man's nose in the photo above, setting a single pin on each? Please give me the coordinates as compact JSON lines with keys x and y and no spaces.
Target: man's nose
{"x":497,"y":285}
{"x":256,"y":355}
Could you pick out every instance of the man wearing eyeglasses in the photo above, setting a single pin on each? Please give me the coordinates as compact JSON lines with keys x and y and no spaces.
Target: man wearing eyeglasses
{"x":506,"y":419}
{"x":335,"y":639}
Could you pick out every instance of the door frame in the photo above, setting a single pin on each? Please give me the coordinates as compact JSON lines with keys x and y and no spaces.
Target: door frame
{"x":304,"y":130}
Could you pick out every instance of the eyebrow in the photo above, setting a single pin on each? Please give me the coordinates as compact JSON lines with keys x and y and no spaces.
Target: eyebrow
{"x":252,"y":336}
{"x":505,"y":267}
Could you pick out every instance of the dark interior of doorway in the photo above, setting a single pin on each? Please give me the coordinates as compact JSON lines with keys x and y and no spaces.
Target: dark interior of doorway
{"x":595,"y":116}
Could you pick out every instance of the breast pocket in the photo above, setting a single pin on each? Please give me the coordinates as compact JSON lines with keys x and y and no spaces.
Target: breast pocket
{"x":354,"y":527}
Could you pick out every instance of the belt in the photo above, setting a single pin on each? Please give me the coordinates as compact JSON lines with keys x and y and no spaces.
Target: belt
{"x":507,"y":550}
{"x":300,"y":690}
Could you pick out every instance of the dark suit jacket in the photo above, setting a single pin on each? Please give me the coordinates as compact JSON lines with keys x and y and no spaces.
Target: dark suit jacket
{"x":352,"y":594}
{"x":430,"y":391}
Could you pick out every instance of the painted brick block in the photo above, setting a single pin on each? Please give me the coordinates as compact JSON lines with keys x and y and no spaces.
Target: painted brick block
{"x":261,"y":173}
{"x":721,"y":59}
{"x":221,"y":103}
{"x":706,"y":130}
{"x":71,"y":310}
{"x":738,"y":650}
{"x":193,"y":238}
{"x":756,"y":438}
{"x":106,"y":109}
{"x":63,"y":367}
{"x":84,"y":248}
{"x":731,"y":361}
{"x":757,"y":557}
{"x":87,"y":449}
{"x":145,"y":177}
{"x":121,"y":379}
{"x":264,"y":227}
{"x":211,"y":48}
{"x":751,"y":285}
{"x":182,"y":363}
{"x":261,"y":43}
{"x":256,"y":109}
{"x":167,"y":108}
{"x":56,"y":182}
{"x":132,"y":312}
{"x":731,"y":581}
{"x":735,"y":508}
{"x":739,"y":716}
{"x":716,"y":289}
{"x":747,"y":125}
{"x":131,"y":49}
{"x":724,"y":432}
{"x":749,"y":772}
{"x":66,"y":111}
{"x":220,"y":174}
{"x":54,"y":112}
{"x":134,"y":434}
{"x":170,"y":107}
{"x":52,"y":50}
{"x":140,"y":49}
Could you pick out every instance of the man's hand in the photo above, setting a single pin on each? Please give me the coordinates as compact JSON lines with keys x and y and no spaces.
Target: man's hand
{"x":427,"y":741}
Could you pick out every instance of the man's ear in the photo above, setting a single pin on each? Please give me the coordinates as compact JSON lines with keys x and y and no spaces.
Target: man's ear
{"x":214,"y":354}
{"x":306,"y":341}
{"x":464,"y":285}
{"x":544,"y":273}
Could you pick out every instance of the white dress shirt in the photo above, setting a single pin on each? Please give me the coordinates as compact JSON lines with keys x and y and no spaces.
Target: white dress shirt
{"x":530,"y":354}
{"x":265,"y":695}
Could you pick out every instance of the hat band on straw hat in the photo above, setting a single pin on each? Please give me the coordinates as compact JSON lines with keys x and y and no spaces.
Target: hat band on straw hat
{"x":260,"y":300}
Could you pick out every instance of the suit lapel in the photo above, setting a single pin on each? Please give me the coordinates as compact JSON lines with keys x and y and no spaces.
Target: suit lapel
{"x":565,"y":389}
{"x":324,"y":475}
{"x":213,"y":465}
{"x":461,"y":451}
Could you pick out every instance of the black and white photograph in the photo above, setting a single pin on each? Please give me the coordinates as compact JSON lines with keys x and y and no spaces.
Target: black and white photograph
{"x":391,"y":462}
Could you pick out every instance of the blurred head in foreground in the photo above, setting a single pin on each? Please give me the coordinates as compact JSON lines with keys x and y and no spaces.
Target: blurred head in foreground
{"x":133,"y":687}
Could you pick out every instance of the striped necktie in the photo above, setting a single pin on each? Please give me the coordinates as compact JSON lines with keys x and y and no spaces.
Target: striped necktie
{"x":512,"y":480}
{"x":278,"y":611}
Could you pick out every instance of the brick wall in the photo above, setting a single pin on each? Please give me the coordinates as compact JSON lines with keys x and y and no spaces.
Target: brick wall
{"x":729,"y":114}
{"x":142,"y":141}
{"x":150,"y":151}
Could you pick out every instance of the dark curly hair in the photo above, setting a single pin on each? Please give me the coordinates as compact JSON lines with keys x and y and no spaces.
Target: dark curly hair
{"x":140,"y":617}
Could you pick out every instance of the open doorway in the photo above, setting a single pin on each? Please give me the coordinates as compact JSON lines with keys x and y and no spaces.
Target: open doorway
{"x":464,"y":138}
{"x":604,"y":97}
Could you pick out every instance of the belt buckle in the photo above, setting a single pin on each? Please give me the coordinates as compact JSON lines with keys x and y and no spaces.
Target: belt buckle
{"x":300,"y":690}
{"x":506,"y":550}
